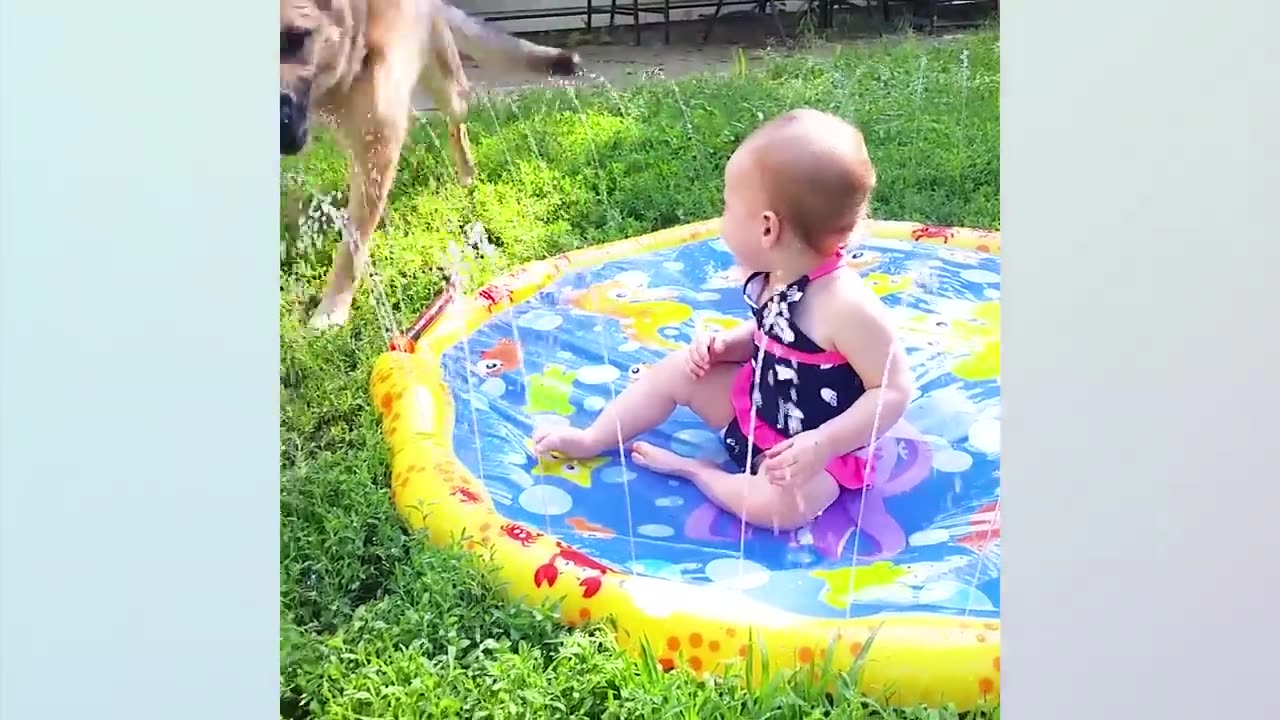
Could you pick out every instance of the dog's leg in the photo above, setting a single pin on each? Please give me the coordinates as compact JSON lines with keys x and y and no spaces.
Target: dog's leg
{"x":446,"y":81}
{"x":375,"y":150}
{"x":462,"y":153}
{"x":449,"y":93}
{"x":453,"y":106}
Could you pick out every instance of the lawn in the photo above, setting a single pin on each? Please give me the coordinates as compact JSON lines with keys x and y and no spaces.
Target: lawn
{"x":374,"y":623}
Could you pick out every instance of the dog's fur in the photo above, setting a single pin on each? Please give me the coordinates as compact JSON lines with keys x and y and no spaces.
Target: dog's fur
{"x":354,"y":64}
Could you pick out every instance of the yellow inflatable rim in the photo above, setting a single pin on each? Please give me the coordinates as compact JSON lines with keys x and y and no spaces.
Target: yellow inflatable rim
{"x":915,"y":658}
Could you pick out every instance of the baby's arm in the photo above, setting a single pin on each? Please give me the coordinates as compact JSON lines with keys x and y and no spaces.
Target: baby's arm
{"x":863,"y":333}
{"x":736,"y":343}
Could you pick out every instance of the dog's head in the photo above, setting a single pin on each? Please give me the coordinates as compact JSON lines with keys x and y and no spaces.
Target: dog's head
{"x":302,"y":29}
{"x":313,"y":43}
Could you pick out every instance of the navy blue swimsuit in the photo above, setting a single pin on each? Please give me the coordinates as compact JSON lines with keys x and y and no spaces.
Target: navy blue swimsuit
{"x":801,"y":385}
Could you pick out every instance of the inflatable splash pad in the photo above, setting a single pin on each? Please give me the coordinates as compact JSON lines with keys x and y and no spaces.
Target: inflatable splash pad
{"x":901,"y":579}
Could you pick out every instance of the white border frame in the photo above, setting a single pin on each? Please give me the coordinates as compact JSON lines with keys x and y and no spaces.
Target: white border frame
{"x":139,"y":520}
{"x":1139,"y":379}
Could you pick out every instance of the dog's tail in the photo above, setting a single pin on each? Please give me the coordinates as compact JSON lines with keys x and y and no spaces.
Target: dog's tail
{"x":490,"y":46}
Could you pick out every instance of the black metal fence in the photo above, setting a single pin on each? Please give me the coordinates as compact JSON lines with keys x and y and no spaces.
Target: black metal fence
{"x":920,"y":14}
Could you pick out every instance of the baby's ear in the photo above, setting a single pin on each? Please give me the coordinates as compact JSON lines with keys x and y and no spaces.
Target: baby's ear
{"x":771,"y":228}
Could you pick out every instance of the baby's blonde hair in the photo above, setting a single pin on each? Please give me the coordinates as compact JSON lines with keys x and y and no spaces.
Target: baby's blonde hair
{"x":815,"y":173}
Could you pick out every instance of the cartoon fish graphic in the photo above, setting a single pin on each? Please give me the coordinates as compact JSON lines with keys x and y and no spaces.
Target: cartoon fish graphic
{"x":984,"y":528}
{"x":641,"y":311}
{"x":503,"y":357}
{"x":586,"y":527}
{"x":883,"y":284}
{"x":575,"y":470}
{"x":862,"y":260}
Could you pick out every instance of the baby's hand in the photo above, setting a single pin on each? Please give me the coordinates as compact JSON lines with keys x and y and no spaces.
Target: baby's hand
{"x":704,"y":351}
{"x":797,"y":459}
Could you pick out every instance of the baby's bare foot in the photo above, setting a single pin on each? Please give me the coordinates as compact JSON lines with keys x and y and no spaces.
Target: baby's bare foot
{"x":661,"y":460}
{"x":567,"y":441}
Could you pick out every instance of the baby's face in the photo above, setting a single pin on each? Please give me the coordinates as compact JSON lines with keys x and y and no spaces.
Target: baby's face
{"x":743,"y":223}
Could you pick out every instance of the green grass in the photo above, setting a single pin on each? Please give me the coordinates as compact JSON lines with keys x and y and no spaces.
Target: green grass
{"x":375,"y":624}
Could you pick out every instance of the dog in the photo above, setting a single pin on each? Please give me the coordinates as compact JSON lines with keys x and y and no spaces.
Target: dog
{"x":353,"y":65}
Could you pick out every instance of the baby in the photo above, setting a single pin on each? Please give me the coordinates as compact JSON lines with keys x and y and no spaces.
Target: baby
{"x":830,"y":374}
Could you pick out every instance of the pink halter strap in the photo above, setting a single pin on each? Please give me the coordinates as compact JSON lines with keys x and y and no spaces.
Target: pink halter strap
{"x":828,"y":267}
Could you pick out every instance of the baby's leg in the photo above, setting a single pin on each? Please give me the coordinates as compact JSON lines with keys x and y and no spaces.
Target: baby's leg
{"x":644,"y":405}
{"x":750,"y":497}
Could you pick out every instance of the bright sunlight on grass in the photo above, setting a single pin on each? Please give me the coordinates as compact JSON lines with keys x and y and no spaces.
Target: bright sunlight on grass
{"x":376,"y":624}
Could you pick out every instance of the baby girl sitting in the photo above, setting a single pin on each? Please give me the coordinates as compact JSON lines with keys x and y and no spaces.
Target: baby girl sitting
{"x":830,"y":375}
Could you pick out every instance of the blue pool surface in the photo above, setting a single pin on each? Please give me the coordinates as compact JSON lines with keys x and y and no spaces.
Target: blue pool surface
{"x":926,"y":538}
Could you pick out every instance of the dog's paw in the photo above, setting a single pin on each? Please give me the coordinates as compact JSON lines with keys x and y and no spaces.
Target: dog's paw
{"x":330,"y":315}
